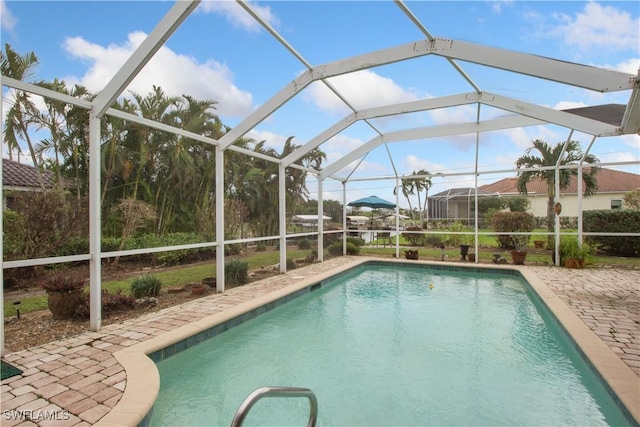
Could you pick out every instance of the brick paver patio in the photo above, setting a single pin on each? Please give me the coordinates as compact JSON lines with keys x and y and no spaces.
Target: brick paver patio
{"x":77,"y":381}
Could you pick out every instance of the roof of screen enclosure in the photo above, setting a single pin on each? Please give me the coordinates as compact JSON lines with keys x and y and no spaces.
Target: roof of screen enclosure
{"x":598,"y":121}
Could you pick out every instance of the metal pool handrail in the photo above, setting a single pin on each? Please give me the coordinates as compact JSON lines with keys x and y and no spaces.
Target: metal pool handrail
{"x":258,"y":394}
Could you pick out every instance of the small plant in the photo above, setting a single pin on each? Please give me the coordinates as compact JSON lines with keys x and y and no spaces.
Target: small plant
{"x":414,"y":239}
{"x":236,"y":272}
{"x":61,"y":283}
{"x":146,"y":286}
{"x":233,"y":249}
{"x":261,"y":247}
{"x":572,"y":253}
{"x":519,"y":242}
{"x":304,"y":244}
{"x":291,"y":264}
{"x":111,"y":303}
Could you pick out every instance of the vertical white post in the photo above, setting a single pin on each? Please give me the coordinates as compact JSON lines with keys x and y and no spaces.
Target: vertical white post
{"x":557,"y":217}
{"x":2,"y":349}
{"x":282,"y":216}
{"x":95,"y":221}
{"x":219,"y":219}
{"x":344,"y":216}
{"x":398,"y":216}
{"x":475,"y":199}
{"x":320,"y":222}
{"x":580,"y":204}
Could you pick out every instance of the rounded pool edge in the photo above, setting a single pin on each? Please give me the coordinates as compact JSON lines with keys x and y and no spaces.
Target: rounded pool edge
{"x":143,"y":380}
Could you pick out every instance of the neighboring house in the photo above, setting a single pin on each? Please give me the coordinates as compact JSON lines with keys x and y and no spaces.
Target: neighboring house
{"x":456,"y":203}
{"x":308,"y":221}
{"x":19,"y":177}
{"x":612,"y":186}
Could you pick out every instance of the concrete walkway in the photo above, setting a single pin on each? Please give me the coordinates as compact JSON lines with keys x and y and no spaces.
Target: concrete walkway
{"x":75,"y":382}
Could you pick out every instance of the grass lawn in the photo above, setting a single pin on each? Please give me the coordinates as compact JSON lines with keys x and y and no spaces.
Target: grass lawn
{"x":169,"y":278}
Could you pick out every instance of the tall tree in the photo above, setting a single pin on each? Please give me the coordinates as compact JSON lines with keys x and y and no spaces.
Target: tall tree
{"x":20,"y":115}
{"x":552,"y":156}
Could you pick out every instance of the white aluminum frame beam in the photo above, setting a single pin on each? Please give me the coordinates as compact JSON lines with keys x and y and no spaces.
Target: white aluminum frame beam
{"x":430,"y":132}
{"x":143,"y":54}
{"x":573,"y":74}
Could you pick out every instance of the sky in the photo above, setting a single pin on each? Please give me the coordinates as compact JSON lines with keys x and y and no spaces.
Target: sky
{"x":220,"y":53}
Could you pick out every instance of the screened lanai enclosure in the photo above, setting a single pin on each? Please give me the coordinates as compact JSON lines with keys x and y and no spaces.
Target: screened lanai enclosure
{"x":479,"y":98}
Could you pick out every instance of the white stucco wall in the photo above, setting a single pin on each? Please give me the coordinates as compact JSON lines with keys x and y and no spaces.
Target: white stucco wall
{"x":570,"y":203}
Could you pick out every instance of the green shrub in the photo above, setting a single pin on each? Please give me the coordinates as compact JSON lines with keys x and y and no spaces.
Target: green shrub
{"x":414,"y":239}
{"x":458,"y":239}
{"x":233,"y":249}
{"x":304,"y":244}
{"x":291,"y":264}
{"x":146,"y":286}
{"x":335,"y":249}
{"x":236,"y":272}
{"x":614,"y":221}
{"x":261,"y":247}
{"x":358,"y":241}
{"x":352,"y":249}
{"x":512,"y":221}
{"x":434,"y":240}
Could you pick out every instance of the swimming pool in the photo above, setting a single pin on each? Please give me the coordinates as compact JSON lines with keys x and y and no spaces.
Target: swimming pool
{"x":411,"y":345}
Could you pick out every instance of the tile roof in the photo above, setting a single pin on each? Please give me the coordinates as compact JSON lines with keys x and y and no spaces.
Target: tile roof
{"x":16,"y":174}
{"x":609,"y":180}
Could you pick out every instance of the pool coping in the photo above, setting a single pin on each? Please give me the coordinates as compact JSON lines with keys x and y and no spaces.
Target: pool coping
{"x":143,"y":380}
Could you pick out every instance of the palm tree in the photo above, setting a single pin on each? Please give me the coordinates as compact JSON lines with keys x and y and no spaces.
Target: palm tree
{"x":408,"y":189}
{"x":549,"y":156}
{"x":20,"y":115}
{"x":422,"y":184}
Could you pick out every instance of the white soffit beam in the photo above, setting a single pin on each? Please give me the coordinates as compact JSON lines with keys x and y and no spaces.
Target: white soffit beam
{"x":560,"y":118}
{"x":430,"y":132}
{"x":383,"y":111}
{"x":570,"y":73}
{"x":154,"y":41}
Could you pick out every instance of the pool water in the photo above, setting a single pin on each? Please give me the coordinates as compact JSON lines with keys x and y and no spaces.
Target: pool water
{"x":393,"y":346}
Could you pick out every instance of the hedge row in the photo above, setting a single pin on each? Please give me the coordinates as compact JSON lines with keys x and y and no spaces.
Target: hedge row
{"x":613,"y":221}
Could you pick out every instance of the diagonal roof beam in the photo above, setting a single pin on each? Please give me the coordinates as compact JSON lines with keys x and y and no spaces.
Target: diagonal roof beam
{"x":532,"y":65}
{"x":430,"y":132}
{"x":244,"y":4}
{"x":570,"y":73}
{"x":344,"y":66}
{"x":561,"y":118}
{"x":383,"y":111}
{"x":143,"y":54}
{"x":426,"y":32}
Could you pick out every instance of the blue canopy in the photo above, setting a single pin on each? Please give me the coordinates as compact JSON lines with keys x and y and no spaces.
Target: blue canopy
{"x":372,"y":202}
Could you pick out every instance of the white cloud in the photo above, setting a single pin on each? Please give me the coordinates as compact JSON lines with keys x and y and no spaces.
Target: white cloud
{"x":363,"y":89}
{"x":272,"y":140}
{"x":497,"y":5}
{"x":7,"y":20}
{"x":631,"y":66}
{"x":598,"y":26}
{"x":566,"y":105}
{"x":237,"y":16}
{"x":412,"y":163}
{"x":176,"y":74}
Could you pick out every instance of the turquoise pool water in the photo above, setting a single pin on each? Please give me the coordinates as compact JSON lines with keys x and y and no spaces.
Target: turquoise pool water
{"x":390,"y":347}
